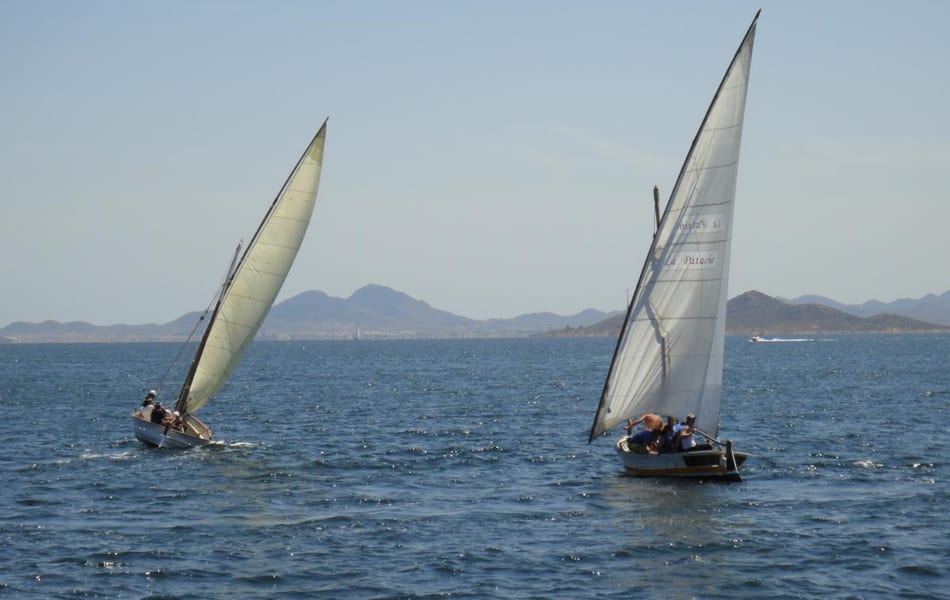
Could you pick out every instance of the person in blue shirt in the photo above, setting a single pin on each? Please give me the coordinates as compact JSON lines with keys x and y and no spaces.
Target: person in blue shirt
{"x":670,"y":436}
{"x":644,"y":441}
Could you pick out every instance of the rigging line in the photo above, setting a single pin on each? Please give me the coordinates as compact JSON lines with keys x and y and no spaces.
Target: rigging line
{"x":233,"y":268}
{"x":204,"y":314}
{"x":181,"y":349}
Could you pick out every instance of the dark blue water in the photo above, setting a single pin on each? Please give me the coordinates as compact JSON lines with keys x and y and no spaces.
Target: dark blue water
{"x":418,"y":469}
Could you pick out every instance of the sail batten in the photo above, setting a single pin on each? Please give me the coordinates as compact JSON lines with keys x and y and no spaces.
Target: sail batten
{"x":713,"y":168}
{"x":683,"y":285}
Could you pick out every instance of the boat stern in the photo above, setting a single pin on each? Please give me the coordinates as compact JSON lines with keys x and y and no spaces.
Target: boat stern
{"x":194,"y":432}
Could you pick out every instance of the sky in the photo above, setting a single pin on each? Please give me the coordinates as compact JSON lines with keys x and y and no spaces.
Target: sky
{"x":492,"y":157}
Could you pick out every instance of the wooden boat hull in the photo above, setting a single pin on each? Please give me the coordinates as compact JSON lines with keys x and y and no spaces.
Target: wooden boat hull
{"x":713,"y":463}
{"x":194,"y":432}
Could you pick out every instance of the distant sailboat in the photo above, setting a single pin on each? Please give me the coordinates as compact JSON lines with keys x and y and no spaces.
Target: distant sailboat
{"x":249,"y":291}
{"x":669,"y":355}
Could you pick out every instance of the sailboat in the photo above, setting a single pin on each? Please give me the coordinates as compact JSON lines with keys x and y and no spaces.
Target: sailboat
{"x":249,"y":290}
{"x":668,"y":359}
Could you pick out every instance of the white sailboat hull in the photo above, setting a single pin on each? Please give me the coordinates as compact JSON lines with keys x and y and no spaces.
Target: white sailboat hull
{"x":712,"y":463}
{"x":194,"y":433}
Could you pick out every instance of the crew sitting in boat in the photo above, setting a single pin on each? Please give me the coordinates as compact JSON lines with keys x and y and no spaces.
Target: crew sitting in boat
{"x":650,"y":421}
{"x":145,"y":410}
{"x":173,"y":420}
{"x":158,"y":413}
{"x":670,"y":436}
{"x":686,"y":442}
{"x":644,"y":441}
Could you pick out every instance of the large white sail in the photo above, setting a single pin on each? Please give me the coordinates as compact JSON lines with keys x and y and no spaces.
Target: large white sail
{"x":257,"y":279}
{"x":669,"y":355}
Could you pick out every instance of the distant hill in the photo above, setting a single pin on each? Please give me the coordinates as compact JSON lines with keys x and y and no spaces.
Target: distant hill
{"x":932,"y":308}
{"x":609,"y":327}
{"x":374,"y":311}
{"x":755,"y":313}
{"x":80,"y":331}
{"x":535,"y":322}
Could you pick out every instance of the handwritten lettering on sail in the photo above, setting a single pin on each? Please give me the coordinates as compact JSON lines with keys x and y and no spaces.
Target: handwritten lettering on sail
{"x":693,"y":260}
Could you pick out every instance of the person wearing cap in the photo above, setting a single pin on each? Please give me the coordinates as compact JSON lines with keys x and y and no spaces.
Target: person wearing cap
{"x":149,"y":398}
{"x":173,"y":420}
{"x":686,"y":440}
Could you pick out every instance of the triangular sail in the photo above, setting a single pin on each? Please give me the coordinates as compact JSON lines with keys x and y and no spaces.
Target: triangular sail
{"x":669,"y":354}
{"x":254,"y":285}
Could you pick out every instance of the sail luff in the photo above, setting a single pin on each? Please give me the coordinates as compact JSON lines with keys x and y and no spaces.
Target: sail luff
{"x":670,"y":329}
{"x":256,"y":279}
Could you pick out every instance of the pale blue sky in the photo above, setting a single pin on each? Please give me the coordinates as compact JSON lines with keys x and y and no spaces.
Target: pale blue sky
{"x":491,"y":158}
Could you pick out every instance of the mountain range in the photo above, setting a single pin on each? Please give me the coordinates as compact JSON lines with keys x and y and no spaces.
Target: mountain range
{"x":755,"y":313}
{"x":375,"y":312}
{"x":932,"y":308}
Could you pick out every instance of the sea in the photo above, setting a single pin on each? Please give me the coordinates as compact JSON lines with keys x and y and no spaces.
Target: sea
{"x":462,"y":469}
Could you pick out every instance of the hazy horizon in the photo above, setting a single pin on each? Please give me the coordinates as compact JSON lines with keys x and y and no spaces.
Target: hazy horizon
{"x":397,"y":290}
{"x":492,"y":159}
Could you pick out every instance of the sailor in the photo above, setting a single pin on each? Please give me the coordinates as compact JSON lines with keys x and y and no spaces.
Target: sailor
{"x":686,"y":441}
{"x":650,"y":421}
{"x":158,"y":413}
{"x":670,"y":435}
{"x":173,"y":420}
{"x":149,"y":398}
{"x":645,"y":440}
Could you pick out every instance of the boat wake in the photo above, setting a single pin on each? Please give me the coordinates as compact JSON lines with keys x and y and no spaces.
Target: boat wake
{"x":126,"y":455}
{"x":223,"y":444}
{"x":87,"y":456}
{"x":760,"y":339}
